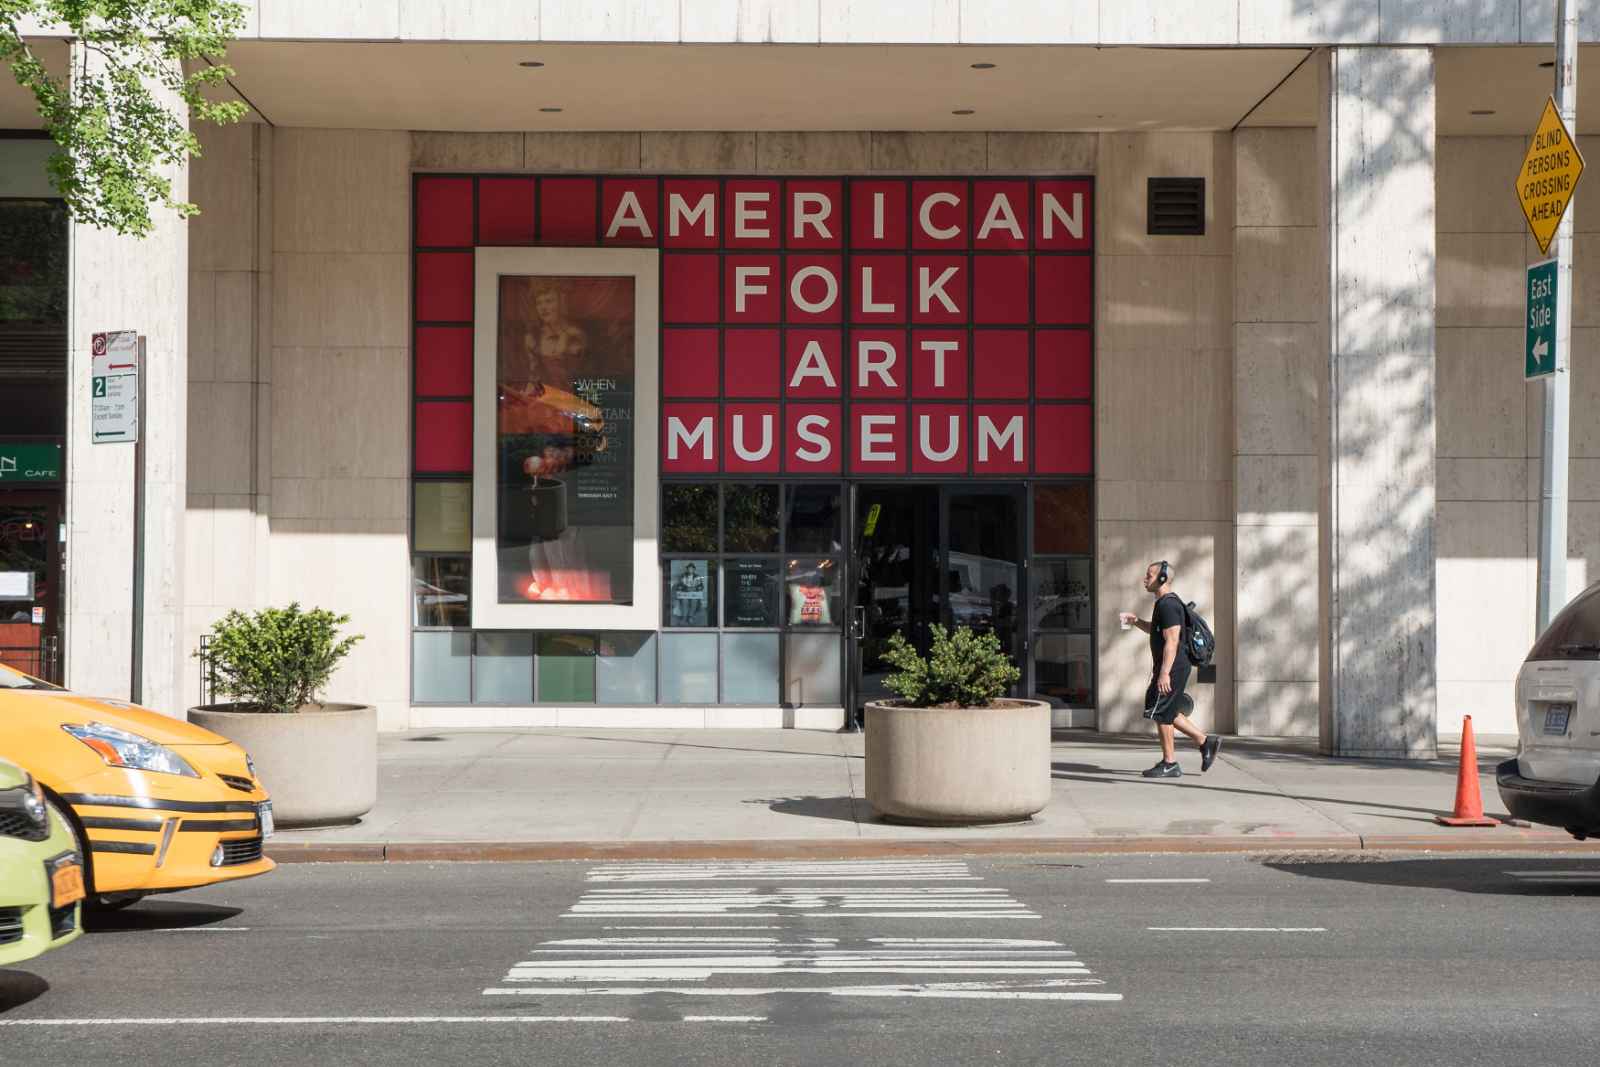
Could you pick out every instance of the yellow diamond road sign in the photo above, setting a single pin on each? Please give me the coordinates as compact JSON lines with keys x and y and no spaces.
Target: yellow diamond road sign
{"x":1549,"y":175}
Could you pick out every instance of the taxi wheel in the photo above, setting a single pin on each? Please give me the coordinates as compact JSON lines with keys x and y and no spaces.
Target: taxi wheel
{"x":112,"y":901}
{"x":79,"y":840}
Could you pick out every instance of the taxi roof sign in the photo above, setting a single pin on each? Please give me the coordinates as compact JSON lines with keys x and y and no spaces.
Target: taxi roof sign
{"x":1549,"y":175}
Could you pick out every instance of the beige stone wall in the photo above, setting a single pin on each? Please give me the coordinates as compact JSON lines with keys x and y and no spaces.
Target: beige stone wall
{"x":1280,"y":363}
{"x":1490,"y":426}
{"x":1163,"y":412}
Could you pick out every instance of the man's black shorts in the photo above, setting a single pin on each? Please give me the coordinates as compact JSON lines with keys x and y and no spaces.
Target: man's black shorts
{"x":1164,"y":709}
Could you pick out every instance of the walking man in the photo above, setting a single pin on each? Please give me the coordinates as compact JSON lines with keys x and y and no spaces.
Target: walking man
{"x":1165,"y":700}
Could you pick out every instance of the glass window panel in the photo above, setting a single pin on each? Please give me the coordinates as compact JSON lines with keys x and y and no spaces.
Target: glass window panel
{"x":689,"y":517}
{"x":625,"y":669}
{"x":441,"y":588}
{"x":812,"y":669}
{"x":749,"y":668}
{"x":691,"y":592}
{"x":1063,"y":520}
{"x":750,"y":592}
{"x":1062,"y":594}
{"x":441,"y":667}
{"x":1063,"y":668}
{"x":566,"y":669}
{"x":688,"y":668}
{"x":811,"y":592}
{"x":502,"y":669}
{"x":444,"y":516}
{"x":813,"y":520}
{"x":750,"y":518}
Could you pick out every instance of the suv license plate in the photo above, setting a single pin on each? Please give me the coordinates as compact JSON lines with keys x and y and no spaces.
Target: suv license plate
{"x":1556,"y":717}
{"x":265,"y":814}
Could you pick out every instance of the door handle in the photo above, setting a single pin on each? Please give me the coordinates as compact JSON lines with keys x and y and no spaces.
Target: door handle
{"x":858,"y":624}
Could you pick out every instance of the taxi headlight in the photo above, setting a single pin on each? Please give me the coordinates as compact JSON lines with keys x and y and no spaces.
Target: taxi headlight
{"x":119,"y":748}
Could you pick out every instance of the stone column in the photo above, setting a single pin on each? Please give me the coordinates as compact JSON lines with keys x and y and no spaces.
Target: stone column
{"x":122,"y":283}
{"x":1376,"y":147}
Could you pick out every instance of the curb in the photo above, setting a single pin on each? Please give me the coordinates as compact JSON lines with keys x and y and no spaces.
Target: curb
{"x":1494,"y":840}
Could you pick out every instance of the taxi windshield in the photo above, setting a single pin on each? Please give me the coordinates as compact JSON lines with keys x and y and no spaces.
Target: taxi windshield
{"x":10,"y":679}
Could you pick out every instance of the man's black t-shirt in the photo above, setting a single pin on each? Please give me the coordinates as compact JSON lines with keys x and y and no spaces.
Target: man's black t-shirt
{"x":1168,"y":611}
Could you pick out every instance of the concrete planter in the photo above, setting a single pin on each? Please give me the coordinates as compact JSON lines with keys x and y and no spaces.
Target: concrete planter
{"x":320,"y":764}
{"x":958,"y":766}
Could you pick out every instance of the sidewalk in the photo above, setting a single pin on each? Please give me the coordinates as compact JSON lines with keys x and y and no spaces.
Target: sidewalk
{"x":576,"y":794}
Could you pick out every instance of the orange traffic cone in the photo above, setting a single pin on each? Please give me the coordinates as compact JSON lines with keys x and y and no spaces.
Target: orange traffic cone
{"x":1469,"y":802}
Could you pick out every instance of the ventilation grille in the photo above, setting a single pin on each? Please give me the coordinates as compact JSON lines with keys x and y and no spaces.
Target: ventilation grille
{"x":1177,"y":207}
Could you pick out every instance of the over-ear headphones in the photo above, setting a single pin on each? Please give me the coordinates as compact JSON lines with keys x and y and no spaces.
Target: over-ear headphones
{"x":1161,"y":579}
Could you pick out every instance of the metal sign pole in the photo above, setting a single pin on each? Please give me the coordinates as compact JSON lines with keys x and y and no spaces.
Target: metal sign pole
{"x":136,"y":689}
{"x":1558,"y":386}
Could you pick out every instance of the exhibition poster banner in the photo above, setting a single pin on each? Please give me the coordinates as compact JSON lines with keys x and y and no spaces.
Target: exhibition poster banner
{"x":564,"y":439}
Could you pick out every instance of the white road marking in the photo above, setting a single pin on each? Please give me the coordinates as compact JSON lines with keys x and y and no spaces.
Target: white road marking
{"x":1239,"y":929}
{"x":780,"y":870}
{"x":1554,"y":874}
{"x":724,"y":1018}
{"x":751,"y":902}
{"x":691,"y":928}
{"x":960,"y":990}
{"x":204,"y":930}
{"x":319,"y":1020}
{"x":1155,"y":881}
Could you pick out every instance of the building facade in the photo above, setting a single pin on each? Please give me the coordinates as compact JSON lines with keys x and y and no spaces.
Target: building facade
{"x":651,"y":363}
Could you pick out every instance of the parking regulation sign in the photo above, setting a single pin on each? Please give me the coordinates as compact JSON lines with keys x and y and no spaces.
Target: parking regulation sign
{"x":1539,"y":332}
{"x":114,"y":387}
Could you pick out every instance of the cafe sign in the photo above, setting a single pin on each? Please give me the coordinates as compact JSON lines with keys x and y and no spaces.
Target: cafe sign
{"x":30,"y":461}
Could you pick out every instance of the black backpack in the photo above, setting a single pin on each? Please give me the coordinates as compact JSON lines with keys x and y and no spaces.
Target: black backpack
{"x":1196,"y":639}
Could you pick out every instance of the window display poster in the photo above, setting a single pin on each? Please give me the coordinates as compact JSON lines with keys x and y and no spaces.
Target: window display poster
{"x":752,"y":598}
{"x":564,"y":439}
{"x":689,"y":592}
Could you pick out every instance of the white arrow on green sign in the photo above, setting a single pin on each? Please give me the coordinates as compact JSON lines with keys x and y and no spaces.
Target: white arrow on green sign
{"x":1539,"y":337}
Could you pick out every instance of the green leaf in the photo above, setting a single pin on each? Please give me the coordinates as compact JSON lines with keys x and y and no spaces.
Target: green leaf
{"x":120,"y":117}
{"x":963,"y":669}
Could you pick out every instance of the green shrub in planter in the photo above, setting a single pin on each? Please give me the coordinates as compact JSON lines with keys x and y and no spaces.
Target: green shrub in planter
{"x":277,"y":659}
{"x":962,"y":670}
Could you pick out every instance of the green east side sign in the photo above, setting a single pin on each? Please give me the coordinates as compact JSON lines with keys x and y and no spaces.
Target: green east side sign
{"x":30,"y":461}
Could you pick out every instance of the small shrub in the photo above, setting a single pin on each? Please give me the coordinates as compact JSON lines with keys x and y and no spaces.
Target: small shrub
{"x":962,"y":670}
{"x":277,"y":659}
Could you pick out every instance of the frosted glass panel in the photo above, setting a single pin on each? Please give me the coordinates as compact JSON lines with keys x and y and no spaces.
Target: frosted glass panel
{"x":811,"y":675}
{"x":625,"y":670}
{"x":749,"y":668}
{"x":441,"y":665}
{"x":688,"y":668}
{"x":502,"y":669}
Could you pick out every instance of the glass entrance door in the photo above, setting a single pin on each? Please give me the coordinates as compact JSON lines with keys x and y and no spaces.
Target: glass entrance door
{"x":30,"y":582}
{"x":925,"y":554}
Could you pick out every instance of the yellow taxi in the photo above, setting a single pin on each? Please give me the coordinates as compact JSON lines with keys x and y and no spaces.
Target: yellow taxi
{"x":156,"y":804}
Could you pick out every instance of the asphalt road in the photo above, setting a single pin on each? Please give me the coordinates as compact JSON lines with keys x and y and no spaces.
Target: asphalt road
{"x":1272,"y":960}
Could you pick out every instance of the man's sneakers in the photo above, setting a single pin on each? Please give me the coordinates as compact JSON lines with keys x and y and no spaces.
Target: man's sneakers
{"x":1208,"y":752}
{"x":1164,"y":770}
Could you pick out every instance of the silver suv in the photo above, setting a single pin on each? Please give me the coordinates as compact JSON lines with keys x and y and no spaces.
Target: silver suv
{"x":1555,"y":778}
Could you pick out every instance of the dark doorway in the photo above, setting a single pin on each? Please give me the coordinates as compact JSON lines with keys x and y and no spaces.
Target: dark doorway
{"x":926,"y":554}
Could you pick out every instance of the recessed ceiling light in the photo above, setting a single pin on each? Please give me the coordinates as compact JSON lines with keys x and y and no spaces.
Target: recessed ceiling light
{"x":550,"y":110}
{"x":1482,"y":111}
{"x":983,"y":66}
{"x":1548,"y":64}
{"x":963,"y":111}
{"x":531,"y":63}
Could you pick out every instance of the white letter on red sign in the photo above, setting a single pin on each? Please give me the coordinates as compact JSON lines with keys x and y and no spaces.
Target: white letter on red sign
{"x":925,"y":216}
{"x":871,"y":437}
{"x":989,"y":433}
{"x":927,"y":290}
{"x":812,"y":365}
{"x":1053,"y":210}
{"x":866,"y":365}
{"x":703,"y":214}
{"x":629,"y":213}
{"x":867,"y":303}
{"x":749,"y":208}
{"x":823,"y":448}
{"x":808,"y":306}
{"x":877,"y":216}
{"x":743,"y":287}
{"x":952,"y":440}
{"x":940,"y":349}
{"x":745,"y":453}
{"x":678,"y":433}
{"x":1001,"y":217}
{"x":806,"y":214}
